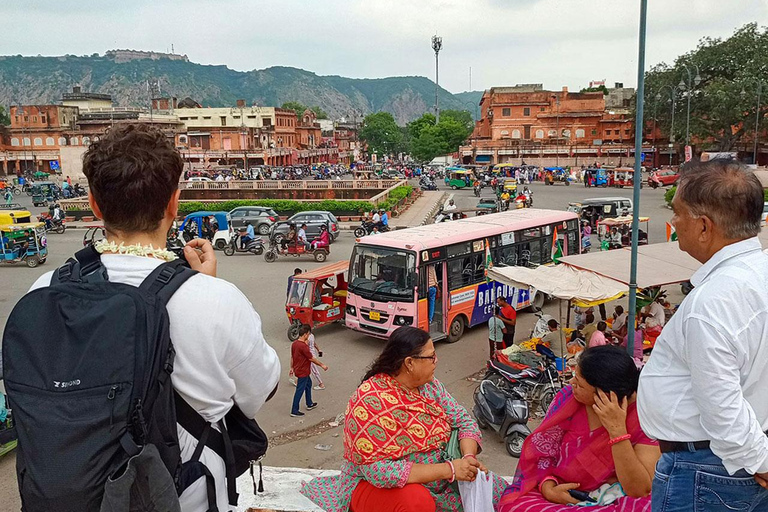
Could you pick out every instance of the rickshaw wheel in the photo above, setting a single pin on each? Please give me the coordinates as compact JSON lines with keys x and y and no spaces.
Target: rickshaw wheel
{"x":220,"y":244}
{"x":32,"y":262}
{"x":270,"y":256}
{"x":320,"y":256}
{"x":453,"y":187}
{"x":60,"y":229}
{"x":293,"y":331}
{"x":229,"y":250}
{"x":567,"y":183}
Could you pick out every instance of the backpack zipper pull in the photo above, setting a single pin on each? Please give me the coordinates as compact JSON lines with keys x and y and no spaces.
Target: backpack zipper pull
{"x":111,"y":397}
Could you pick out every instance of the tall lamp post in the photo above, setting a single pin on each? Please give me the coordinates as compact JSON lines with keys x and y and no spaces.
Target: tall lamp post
{"x":757,"y":118}
{"x":673,"y":94}
{"x":557,"y":134}
{"x":437,"y":45}
{"x":692,"y":81}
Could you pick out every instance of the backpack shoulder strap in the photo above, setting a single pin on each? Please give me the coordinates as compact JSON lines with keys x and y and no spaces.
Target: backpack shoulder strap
{"x":85,"y":267}
{"x":166,"y":279}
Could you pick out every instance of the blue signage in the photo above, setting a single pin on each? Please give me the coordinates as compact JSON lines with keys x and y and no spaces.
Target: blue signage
{"x":485,"y":300}
{"x":54,"y":165}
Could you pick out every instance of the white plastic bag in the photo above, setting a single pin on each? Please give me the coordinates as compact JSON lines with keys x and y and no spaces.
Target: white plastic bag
{"x":477,"y":496}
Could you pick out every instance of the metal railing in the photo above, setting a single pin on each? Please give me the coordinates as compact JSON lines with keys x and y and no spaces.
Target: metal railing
{"x":288,"y":184}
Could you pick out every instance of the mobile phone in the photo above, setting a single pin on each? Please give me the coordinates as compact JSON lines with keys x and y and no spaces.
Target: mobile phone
{"x":581,"y":496}
{"x":320,"y":353}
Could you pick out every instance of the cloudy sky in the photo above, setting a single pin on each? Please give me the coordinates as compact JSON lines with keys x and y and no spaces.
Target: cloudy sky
{"x":555,"y":42}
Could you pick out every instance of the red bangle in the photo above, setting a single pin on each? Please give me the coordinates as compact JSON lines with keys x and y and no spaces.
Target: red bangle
{"x":453,"y":472}
{"x":469,"y":455}
{"x":625,"y":437}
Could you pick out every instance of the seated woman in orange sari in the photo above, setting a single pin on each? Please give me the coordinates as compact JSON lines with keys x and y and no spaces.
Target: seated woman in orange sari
{"x":396,"y":428}
{"x":589,"y":442}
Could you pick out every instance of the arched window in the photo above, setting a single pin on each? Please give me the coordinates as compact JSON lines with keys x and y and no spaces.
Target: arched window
{"x":86,"y":141}
{"x":38,"y":141}
{"x":73,"y":141}
{"x":579,"y":133}
{"x":539,"y":134}
{"x":552,"y":133}
{"x":504,"y":133}
{"x":515,"y":134}
{"x":182,"y":139}
{"x":14,"y":141}
{"x":27,"y":141}
{"x":567,"y":133}
{"x":62,"y":141}
{"x":49,"y":141}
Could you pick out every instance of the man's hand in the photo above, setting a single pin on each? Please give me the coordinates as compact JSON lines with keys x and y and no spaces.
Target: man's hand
{"x":762,"y":479}
{"x":324,"y":366}
{"x":200,"y":256}
{"x":559,"y":493}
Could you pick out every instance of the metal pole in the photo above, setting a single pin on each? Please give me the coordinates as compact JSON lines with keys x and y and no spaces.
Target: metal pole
{"x":637,"y":181}
{"x":437,"y":89}
{"x":688,"y":118}
{"x":757,"y":121}
{"x":672,"y":128}
{"x":557,"y":135}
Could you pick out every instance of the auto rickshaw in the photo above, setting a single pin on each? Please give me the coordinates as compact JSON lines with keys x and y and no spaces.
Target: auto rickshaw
{"x":623,"y":226}
{"x":17,"y":216}
{"x":623,"y":177}
{"x":44,"y":192}
{"x":317,"y":297}
{"x":554,"y":175}
{"x":23,"y":242}
{"x":456,"y":177}
{"x":199,"y":225}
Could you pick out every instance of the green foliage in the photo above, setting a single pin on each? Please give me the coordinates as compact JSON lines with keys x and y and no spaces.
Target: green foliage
{"x":5,"y":118}
{"x":429,"y":145}
{"x":600,"y":88}
{"x":300,"y":108}
{"x":415,"y":127}
{"x":670,"y":194}
{"x":429,"y":140}
{"x":381,"y":134}
{"x":719,"y":110}
{"x":463,"y":117}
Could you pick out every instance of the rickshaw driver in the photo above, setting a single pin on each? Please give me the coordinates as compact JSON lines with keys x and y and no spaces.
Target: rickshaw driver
{"x":290,"y":238}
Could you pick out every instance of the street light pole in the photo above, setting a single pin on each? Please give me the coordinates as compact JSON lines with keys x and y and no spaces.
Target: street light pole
{"x":437,"y":45}
{"x":673,"y":93}
{"x":691,"y":82}
{"x":757,"y":121}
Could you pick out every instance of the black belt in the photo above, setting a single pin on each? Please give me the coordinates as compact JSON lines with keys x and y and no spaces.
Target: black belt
{"x":680,"y":446}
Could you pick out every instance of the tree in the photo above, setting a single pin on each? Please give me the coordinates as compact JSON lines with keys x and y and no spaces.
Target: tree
{"x":721,"y":116}
{"x":320,"y":113}
{"x":463,"y":117}
{"x":452,"y":132}
{"x":429,"y":144}
{"x":416,"y":126}
{"x":5,"y":118}
{"x":381,"y":133}
{"x":600,"y":88}
{"x":300,"y":108}
{"x":428,"y":140}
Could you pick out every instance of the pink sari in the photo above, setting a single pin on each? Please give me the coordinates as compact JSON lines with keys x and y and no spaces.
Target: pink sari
{"x":564,"y":447}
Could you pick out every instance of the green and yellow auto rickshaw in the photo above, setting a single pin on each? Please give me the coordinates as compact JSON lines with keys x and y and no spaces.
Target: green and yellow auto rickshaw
{"x":457,"y":177}
{"x":23,"y":243}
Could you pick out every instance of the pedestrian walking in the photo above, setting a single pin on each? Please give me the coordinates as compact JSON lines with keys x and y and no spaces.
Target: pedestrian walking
{"x":495,"y":332}
{"x":317,"y":353}
{"x":508,"y":315}
{"x":702,"y":393}
{"x":301,"y":361}
{"x":296,"y":272}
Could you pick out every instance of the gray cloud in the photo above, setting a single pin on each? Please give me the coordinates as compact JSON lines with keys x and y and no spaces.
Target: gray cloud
{"x":556,"y":42}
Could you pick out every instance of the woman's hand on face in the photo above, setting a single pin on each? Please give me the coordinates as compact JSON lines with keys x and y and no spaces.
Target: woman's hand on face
{"x":466,"y":469}
{"x":559,"y":493}
{"x":612,"y":412}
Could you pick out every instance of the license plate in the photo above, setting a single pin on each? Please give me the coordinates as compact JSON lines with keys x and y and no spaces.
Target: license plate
{"x":374,"y":315}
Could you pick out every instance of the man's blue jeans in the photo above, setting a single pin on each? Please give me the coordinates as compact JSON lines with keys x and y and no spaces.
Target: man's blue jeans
{"x":431,"y":295}
{"x":303,"y":385}
{"x":696,"y":481}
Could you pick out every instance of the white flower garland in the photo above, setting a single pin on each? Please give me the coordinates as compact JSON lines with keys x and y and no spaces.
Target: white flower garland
{"x":105,"y":245}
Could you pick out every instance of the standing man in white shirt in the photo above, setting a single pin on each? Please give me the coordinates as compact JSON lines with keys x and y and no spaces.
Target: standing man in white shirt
{"x":703,"y":394}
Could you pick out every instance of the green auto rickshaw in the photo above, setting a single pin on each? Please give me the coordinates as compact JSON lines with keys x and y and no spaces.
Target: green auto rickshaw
{"x":44,"y":192}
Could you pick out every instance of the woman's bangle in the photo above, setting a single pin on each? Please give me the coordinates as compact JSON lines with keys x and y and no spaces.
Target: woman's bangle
{"x":453,"y":472}
{"x":625,"y":437}
{"x":547,"y":479}
{"x":469,"y":455}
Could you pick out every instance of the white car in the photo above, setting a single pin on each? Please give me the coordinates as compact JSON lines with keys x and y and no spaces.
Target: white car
{"x":198,"y":179}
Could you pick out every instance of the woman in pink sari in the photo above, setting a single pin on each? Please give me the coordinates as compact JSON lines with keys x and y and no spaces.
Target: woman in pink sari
{"x":590,"y":441}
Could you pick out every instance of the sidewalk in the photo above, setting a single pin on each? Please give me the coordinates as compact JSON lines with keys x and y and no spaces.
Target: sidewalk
{"x":420,"y":212}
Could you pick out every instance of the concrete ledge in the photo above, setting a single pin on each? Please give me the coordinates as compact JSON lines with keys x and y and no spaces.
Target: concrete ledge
{"x":281,"y":490}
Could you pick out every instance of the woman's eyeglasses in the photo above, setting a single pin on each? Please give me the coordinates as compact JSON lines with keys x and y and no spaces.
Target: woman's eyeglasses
{"x":433,"y":357}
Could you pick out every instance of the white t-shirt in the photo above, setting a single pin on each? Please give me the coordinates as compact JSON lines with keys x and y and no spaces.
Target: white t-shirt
{"x":221,"y":357}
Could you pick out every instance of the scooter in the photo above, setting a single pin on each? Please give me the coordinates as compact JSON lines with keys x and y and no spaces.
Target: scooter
{"x":427,"y":184}
{"x":254,"y":246}
{"x":505,"y":411}
{"x":366,"y":228}
{"x":51,"y":224}
{"x":535,"y":384}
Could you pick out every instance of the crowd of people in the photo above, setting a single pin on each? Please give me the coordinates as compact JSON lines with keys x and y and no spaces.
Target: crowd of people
{"x":685,"y":433}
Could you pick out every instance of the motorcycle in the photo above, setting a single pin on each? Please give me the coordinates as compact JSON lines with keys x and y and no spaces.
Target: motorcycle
{"x":52,"y":224}
{"x":366,"y":228}
{"x":537,"y":385}
{"x":505,"y":411}
{"x":586,"y":244}
{"x":427,"y":184}
{"x":254,"y":246}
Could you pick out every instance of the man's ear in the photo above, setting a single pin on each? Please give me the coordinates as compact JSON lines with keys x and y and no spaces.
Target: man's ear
{"x":706,"y":228}
{"x":94,"y":207}
{"x":173,"y":205}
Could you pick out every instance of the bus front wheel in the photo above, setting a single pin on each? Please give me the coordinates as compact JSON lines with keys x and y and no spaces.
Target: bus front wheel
{"x":456,"y":330}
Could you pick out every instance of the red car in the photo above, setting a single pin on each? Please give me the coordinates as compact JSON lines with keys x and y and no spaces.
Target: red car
{"x":663,"y":178}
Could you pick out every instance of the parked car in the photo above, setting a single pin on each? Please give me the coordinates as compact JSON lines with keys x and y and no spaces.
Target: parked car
{"x":199,"y":179}
{"x":313,"y":220}
{"x":663,"y":178}
{"x":260,"y":217}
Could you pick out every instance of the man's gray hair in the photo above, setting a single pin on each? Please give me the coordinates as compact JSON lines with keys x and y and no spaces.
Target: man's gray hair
{"x":725,"y":191}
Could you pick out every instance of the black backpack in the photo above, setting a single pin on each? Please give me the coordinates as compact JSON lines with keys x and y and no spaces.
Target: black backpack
{"x":87,"y":367}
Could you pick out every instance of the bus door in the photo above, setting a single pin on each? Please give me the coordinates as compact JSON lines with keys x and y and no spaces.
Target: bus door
{"x":432,"y":299}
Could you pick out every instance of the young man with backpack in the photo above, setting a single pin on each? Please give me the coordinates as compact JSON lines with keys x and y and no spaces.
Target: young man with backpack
{"x":88,"y":378}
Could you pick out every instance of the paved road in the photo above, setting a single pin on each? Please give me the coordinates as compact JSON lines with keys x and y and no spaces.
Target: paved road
{"x":346,"y":352}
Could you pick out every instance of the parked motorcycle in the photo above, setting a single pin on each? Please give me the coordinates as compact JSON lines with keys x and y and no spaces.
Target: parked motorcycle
{"x":366,"y":228}
{"x":539,"y":385}
{"x":255,"y":246}
{"x":505,"y":411}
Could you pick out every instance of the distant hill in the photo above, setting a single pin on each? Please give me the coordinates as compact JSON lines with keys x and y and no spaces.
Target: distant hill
{"x":40,"y":80}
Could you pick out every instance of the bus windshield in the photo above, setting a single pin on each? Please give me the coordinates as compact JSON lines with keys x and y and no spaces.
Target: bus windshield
{"x":382,"y":274}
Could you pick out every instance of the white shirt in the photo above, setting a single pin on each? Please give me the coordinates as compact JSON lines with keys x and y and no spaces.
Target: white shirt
{"x":376,"y":217}
{"x":619,"y":322}
{"x":656,"y":311}
{"x":302,"y":235}
{"x":449,"y":207}
{"x":708,"y":375}
{"x":221,"y":357}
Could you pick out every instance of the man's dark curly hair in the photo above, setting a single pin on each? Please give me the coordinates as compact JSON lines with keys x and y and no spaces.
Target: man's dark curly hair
{"x":133,"y":172}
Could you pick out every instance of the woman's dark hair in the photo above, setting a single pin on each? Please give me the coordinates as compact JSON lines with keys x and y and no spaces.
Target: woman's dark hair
{"x":590,"y":318}
{"x":133,"y":172}
{"x":602,"y":326}
{"x":611,"y":369}
{"x":404,"y":342}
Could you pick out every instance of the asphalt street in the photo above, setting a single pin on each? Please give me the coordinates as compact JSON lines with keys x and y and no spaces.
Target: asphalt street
{"x":310,"y":441}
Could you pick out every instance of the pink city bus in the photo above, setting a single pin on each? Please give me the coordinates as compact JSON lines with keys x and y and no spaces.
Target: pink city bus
{"x":388,"y":273}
